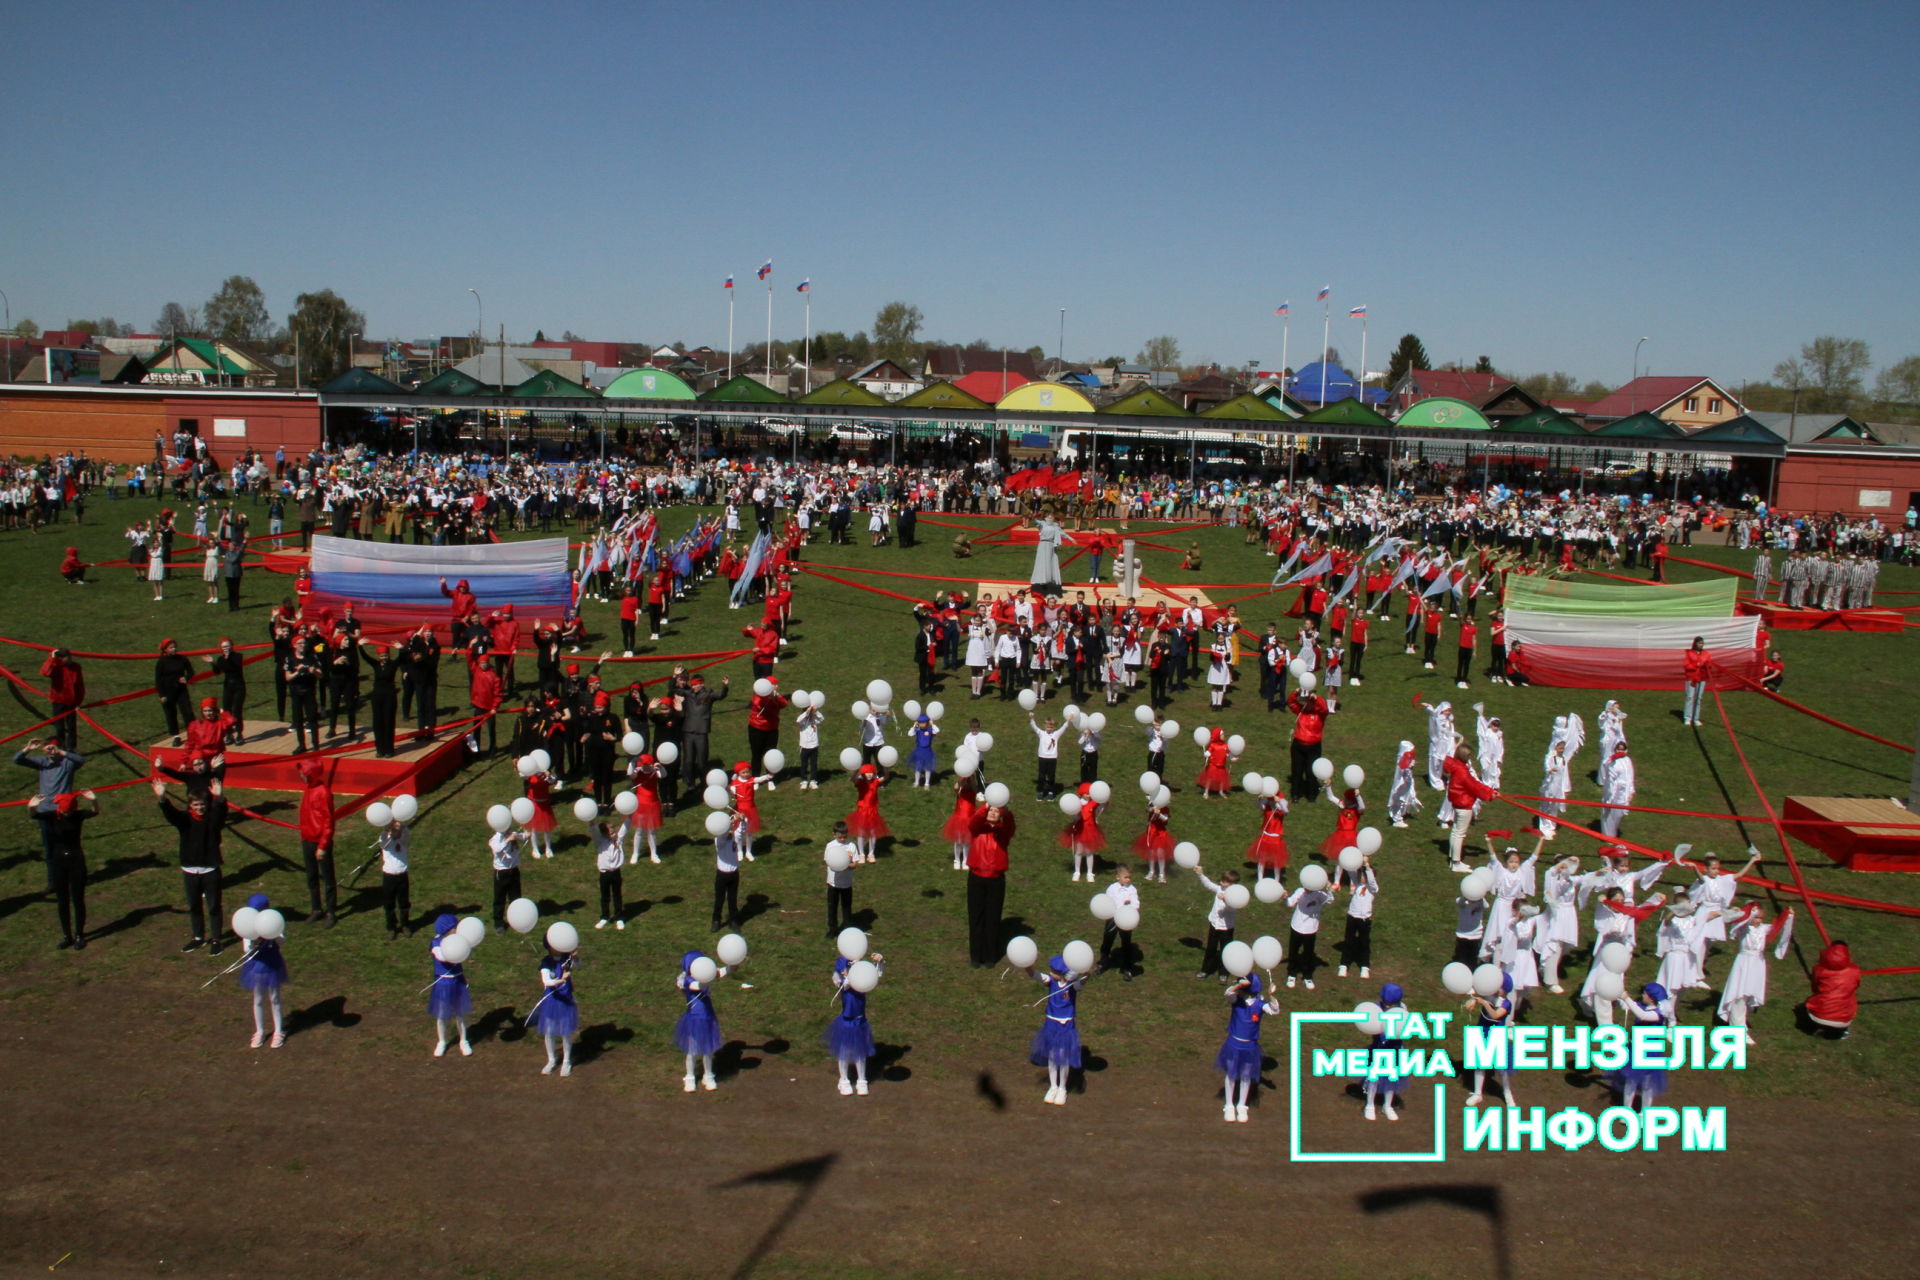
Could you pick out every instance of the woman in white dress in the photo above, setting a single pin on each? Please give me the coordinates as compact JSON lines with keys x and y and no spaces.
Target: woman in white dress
{"x":877,"y":523}
{"x":1219,"y":673}
{"x":1513,"y":882}
{"x":1681,"y":945}
{"x":1439,"y":743}
{"x":1554,"y":786}
{"x":1491,"y":743}
{"x":156,"y":566}
{"x":1613,"y":732}
{"x":210,"y":572}
{"x":979,"y":653}
{"x":1614,"y":919}
{"x":1561,"y":932}
{"x":1746,"y":988}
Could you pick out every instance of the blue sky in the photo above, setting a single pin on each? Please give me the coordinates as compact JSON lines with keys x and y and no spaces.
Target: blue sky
{"x":1542,"y":184}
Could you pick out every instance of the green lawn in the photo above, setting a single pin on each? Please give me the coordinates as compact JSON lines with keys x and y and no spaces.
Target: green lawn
{"x":949,"y":1016}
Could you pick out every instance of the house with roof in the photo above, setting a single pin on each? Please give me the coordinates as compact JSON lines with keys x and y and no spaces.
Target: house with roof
{"x":1197,"y":395}
{"x":1496,"y":398}
{"x":1690,"y":402}
{"x":208,"y":362}
{"x":1806,"y":428}
{"x":885,"y":379}
{"x":950,"y":364}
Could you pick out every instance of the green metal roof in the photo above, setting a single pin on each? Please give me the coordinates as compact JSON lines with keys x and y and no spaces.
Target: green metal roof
{"x":1543,"y":422}
{"x":1346,"y":413}
{"x":648,"y":384}
{"x":363,"y":382}
{"x":942,"y":395}
{"x":1248,"y":407}
{"x":841,"y":391}
{"x":742,"y":389}
{"x":1147,"y":402}
{"x":1742,"y":429}
{"x":551,"y":385}
{"x":452,"y":382}
{"x":1641,"y":426}
{"x":1444,"y":411}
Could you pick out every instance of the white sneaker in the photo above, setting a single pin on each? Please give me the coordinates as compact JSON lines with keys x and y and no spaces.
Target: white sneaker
{"x":601,"y":925}
{"x":1557,"y":989}
{"x":709,"y":1084}
{"x":1289,"y":980}
{"x":860,"y":1087}
{"x":439,"y":1050}
{"x":1076,"y":877}
{"x":1309,"y":982}
{"x":1226,"y":1113}
{"x":627,"y":654}
{"x":1343,"y":972}
{"x":846,"y":1089}
{"x":1370,"y":1114}
{"x":1365,"y":972}
{"x":1391,"y":1113}
{"x":1240,"y":1113}
{"x":566,"y":1068}
{"x":686,"y":1084}
{"x":1474,"y":1101}
{"x":1402,"y":823}
{"x":466,"y":1050}
{"x":548,"y":1069}
{"x":1459,"y":868}
{"x":619,"y":924}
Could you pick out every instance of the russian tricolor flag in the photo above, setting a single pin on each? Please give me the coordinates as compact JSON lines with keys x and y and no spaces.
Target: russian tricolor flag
{"x":1325,"y":289}
{"x":1358,"y":313}
{"x":728,"y":284}
{"x":1283,"y":309}
{"x":766,"y":269}
{"x":805,"y":286}
{"x":396,"y":583}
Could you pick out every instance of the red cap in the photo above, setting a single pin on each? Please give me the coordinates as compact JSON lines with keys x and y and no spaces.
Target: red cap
{"x":573,"y":668}
{"x":743,"y":767}
{"x":209,"y":704}
{"x":600,"y":700}
{"x":63,"y":803}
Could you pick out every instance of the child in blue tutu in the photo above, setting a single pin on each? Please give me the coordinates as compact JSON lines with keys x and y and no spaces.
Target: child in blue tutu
{"x":263,"y":971}
{"x":1056,"y":1046}
{"x":1654,"y":1008}
{"x":848,"y":1037}
{"x":1392,"y":1000}
{"x":556,"y":1017}
{"x":1239,"y":1057}
{"x":448,"y":999}
{"x":698,"y":1031}
{"x":1494,"y":1011}
{"x":922,"y":761}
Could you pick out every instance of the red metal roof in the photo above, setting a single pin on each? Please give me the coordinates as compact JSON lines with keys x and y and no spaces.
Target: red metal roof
{"x":1645,"y":395}
{"x":1461,"y":384}
{"x":988,"y":384}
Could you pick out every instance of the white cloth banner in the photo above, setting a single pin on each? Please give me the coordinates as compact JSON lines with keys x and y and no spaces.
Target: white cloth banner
{"x":349,"y":555}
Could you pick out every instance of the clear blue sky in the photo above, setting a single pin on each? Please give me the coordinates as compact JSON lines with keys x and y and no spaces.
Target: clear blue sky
{"x":1539,"y":183}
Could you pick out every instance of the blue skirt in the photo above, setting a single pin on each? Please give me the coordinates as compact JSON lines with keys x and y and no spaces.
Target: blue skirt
{"x":1648,"y":1080}
{"x":1056,"y":1044}
{"x":556,"y":1018}
{"x":263,"y":975}
{"x":849,"y":1039}
{"x":698,"y":1031}
{"x":1239,"y":1060}
{"x":449,"y":998}
{"x":922,"y":761}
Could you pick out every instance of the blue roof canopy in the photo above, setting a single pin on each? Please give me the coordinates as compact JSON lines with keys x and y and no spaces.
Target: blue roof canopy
{"x":1341,"y":385}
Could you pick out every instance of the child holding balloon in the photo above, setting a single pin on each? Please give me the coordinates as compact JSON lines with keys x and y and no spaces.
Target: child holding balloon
{"x":1214,"y":780}
{"x":1154,"y":846}
{"x":865,"y":823}
{"x":1356,"y":948}
{"x":1303,"y":930}
{"x":1269,"y":849}
{"x":1056,"y":1046}
{"x":966,"y":795}
{"x":1082,"y":834}
{"x":1239,"y":1057}
{"x":922,"y":761}
{"x":1392,"y":1000}
{"x":848,"y":1037}
{"x":646,"y":816}
{"x":541,"y":784}
{"x":263,"y":970}
{"x":1229,"y":895}
{"x":1494,"y":1009}
{"x":607,"y":861}
{"x":555,"y":1016}
{"x":1346,"y":823}
{"x":1634,"y":1084}
{"x":697,"y":1033}
{"x":839,"y":856}
{"x":808,"y":724}
{"x":1118,"y":934}
{"x":448,"y":1000}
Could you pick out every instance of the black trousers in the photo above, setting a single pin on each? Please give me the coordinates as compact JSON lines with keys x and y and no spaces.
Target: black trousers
{"x":986,"y":900}
{"x":726,"y":891}
{"x":233,"y":595}
{"x":1357,"y":946}
{"x":1009,"y":679}
{"x":384,"y":712}
{"x":1466,"y":950}
{"x":1355,"y":657}
{"x":306,"y":718}
{"x":1432,"y":643}
{"x":626,"y":634}
{"x":319,"y":871}
{"x":1463,"y":668}
{"x":1301,"y":959}
{"x":653,"y":618}
{"x":693,"y":759}
{"x":233,"y":701}
{"x":1089,"y":766}
{"x":1302,"y":785}
{"x":759,"y":742}
{"x":810,"y":764}
{"x":346,"y":698}
{"x":279,"y":693}
{"x":427,"y":704}
{"x":66,"y":726}
{"x":506,"y":887}
{"x":613,"y":904}
{"x":396,"y":899}
{"x":68,"y":873}
{"x":1498,"y":668}
{"x":178,"y":713}
{"x":927,"y":681}
{"x":1116,"y":940}
{"x":839,"y":909}
{"x":1156,"y":685}
{"x":1217,"y":940}
{"x":203,"y":902}
{"x":1049,"y":782}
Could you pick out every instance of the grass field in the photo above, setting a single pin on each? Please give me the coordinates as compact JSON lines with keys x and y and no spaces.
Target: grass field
{"x":941,"y":1024}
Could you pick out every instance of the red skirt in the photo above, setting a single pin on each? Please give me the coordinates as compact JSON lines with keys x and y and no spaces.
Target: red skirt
{"x":1087,"y":835}
{"x":1214,"y":778}
{"x":752,"y":814}
{"x":1268,"y":851}
{"x":542,"y":816}
{"x":1155,"y":844}
{"x":647,"y":816}
{"x":959,"y":825}
{"x":866,"y":824}
{"x":1344,"y":834}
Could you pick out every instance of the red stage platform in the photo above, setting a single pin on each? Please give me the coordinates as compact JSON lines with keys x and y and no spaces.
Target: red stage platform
{"x":1778,"y":617}
{"x":1875,"y":834}
{"x":265,"y":761}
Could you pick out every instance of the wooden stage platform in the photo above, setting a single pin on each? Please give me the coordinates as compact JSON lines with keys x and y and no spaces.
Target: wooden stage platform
{"x":1099,"y":591}
{"x":1778,"y":617}
{"x":265,"y":761}
{"x":1876,"y":835}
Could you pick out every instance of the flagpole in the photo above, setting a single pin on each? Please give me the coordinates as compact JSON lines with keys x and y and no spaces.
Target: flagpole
{"x":807,"y":349}
{"x":1285,"y":322}
{"x":729,"y":333}
{"x":769,"y":328}
{"x":1326,"y":335}
{"x":1363,"y":359}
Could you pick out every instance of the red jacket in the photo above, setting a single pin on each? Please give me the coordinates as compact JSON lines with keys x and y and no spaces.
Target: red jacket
{"x":987,"y":853}
{"x":485,"y":691}
{"x":67,"y":686}
{"x":1463,"y":789}
{"x":316,"y":815}
{"x":1310,"y":723}
{"x":1836,"y":986}
{"x":1697,"y":662}
{"x":764,"y":713}
{"x":1357,"y":633}
{"x":766,"y":642}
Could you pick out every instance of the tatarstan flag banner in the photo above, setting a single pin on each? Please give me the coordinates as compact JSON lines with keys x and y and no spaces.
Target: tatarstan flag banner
{"x":1600,"y":652}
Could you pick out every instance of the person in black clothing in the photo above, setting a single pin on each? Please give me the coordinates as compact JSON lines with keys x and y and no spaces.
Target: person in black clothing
{"x":422,"y":662}
{"x":232,"y":670}
{"x":171,"y":672}
{"x":926,"y":655}
{"x":67,"y":863}
{"x":906,"y":522}
{"x":666,"y":719}
{"x":343,"y":685}
{"x":600,"y":735}
{"x":303,"y":684}
{"x":199,"y":825}
{"x":283,"y":641}
{"x":233,"y":563}
{"x":383,"y":698}
{"x":696,"y":706}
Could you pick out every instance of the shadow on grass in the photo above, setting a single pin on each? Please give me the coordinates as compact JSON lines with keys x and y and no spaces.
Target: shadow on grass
{"x":330,"y":1012}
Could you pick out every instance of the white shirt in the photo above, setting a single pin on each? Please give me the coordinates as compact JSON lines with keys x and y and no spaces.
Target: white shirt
{"x":506,"y":850}
{"x":1089,"y":742}
{"x":1049,"y":742}
{"x":1307,"y":905}
{"x":809,"y":723}
{"x":726,"y":852}
{"x":873,"y":731}
{"x":843,"y":878}
{"x":606,"y":851}
{"x":1471,"y":922}
{"x":1220,"y":915}
{"x":393,"y":852}
{"x":1366,"y":887}
{"x":1124,"y":895}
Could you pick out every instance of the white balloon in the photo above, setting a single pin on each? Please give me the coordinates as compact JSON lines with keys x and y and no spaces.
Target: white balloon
{"x":731,"y":949}
{"x":1071,"y":713}
{"x":998,"y":797}
{"x":626,"y":802}
{"x":1100,"y":792}
{"x":801,"y":699}
{"x":1268,"y":889}
{"x":1614,"y":957}
{"x":521,"y":810}
{"x":1296,"y":668}
{"x":911,"y":709}
{"x":1186,"y":854}
{"x":1162,"y":797}
{"x":718,"y":821}
{"x":667,"y":752}
{"x":763,"y":687}
{"x":1236,"y":745}
{"x":522,"y":915}
{"x":863,"y":976}
{"x":819,"y":699}
{"x":563,"y":937}
{"x":1373,"y":1024}
{"x":1126,"y":919}
{"x":1473,"y":886}
{"x":632,"y":743}
{"x":888,"y":756}
{"x":1201,"y":736}
{"x":455,"y":949}
{"x":1169,"y":731}
{"x":1609,"y":986}
{"x":1367,"y":840}
{"x":717,"y":797}
{"x":499,"y":817}
{"x":852,"y":943}
{"x":838,"y":860}
{"x":936,"y":711}
{"x":1457,"y":978}
{"x":1238,"y":896}
{"x":1323,"y":768}
{"x":1266,"y":948}
{"x":1102,"y":907}
{"x":1351,"y":859}
{"x":716,"y":777}
{"x":1237,"y":959}
{"x":965,"y":765}
{"x":703,"y":970}
{"x":774,"y":761}
{"x":1097,"y":722}
{"x":1070,"y":803}
{"x":1309,"y":682}
{"x":1022,"y":952}
{"x":405,"y":808}
{"x":983,"y":742}
{"x":1487,"y":980}
{"x":379,"y":813}
{"x":850,"y":758}
{"x":1251,"y":782}
{"x":526,"y":767}
{"x":1143,"y":714}
{"x":246,"y":923}
{"x":473,"y":929}
{"x":1149,"y":783}
{"x":879,"y":691}
{"x":1313,"y":878}
{"x":1354,"y":776}
{"x":1078,"y":955}
{"x":860,"y":710}
{"x":1269,"y":787}
{"x":585,"y":809}
{"x":541,"y":760}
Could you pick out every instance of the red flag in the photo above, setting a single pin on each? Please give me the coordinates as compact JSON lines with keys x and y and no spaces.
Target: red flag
{"x":1066,"y":482}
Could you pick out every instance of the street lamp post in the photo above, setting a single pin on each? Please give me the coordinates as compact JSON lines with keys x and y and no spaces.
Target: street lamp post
{"x":1636,"y":373}
{"x":1060,"y":351}
{"x":8,"y":302}
{"x":480,"y":322}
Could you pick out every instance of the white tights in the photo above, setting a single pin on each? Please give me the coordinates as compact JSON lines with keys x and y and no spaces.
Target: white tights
{"x":863,"y":846}
{"x":1237,"y":1091}
{"x":440,"y":1025}
{"x":959,"y":855}
{"x":978,"y":681}
{"x":1080,"y":856}
{"x":1057,"y":1078}
{"x":1550,"y":963}
{"x":1505,"y":1079}
{"x":859,"y":1071}
{"x":653,"y":845}
{"x":706,"y":1062}
{"x":261,"y":1001}
{"x":1217,"y":695}
{"x":540,"y":837}
{"x":566,"y":1055}
{"x":1377,"y":1088}
{"x":922,"y":778}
